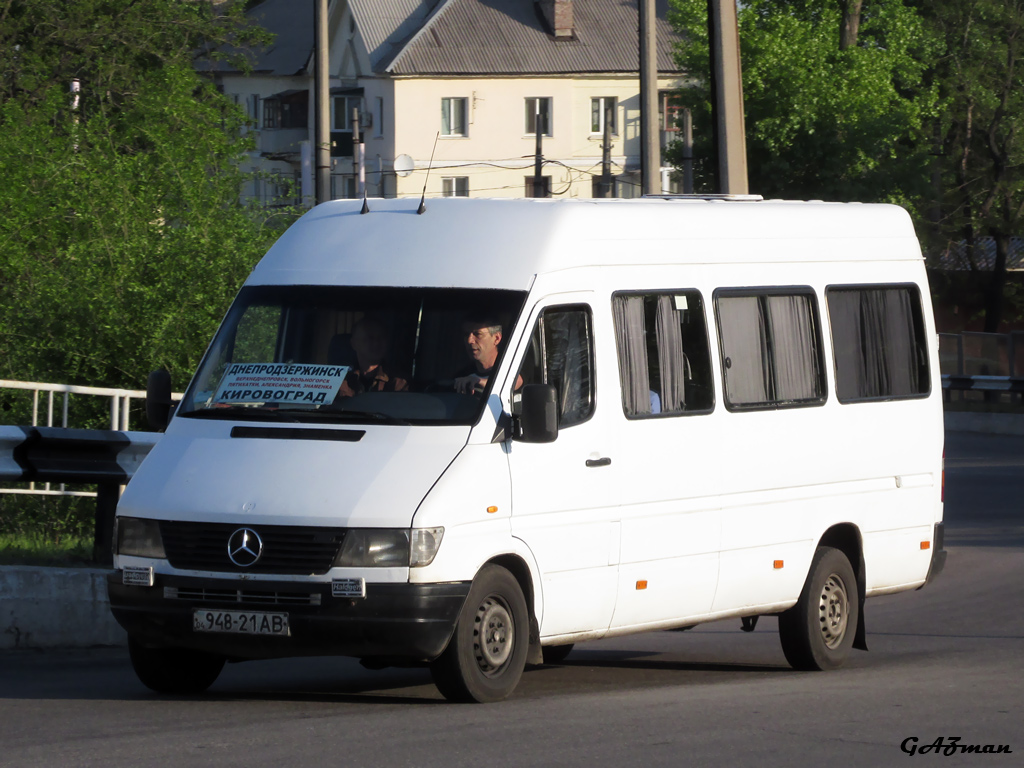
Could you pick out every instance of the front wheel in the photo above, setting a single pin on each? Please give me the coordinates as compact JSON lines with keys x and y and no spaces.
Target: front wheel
{"x":818,"y":631}
{"x":487,"y":653}
{"x":174,"y":670}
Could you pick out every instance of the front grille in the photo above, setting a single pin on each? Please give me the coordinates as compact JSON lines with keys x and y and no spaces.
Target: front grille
{"x":242,"y":596}
{"x":287,"y":549}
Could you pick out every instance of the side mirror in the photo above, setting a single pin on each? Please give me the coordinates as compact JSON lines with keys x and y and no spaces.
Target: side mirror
{"x":158,"y":399}
{"x":538,"y":419}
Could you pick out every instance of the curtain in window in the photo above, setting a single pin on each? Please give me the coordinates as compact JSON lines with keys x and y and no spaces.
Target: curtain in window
{"x":628,"y":314}
{"x":876,"y":348}
{"x":743,"y":328}
{"x":797,"y":376}
{"x":669,"y":336}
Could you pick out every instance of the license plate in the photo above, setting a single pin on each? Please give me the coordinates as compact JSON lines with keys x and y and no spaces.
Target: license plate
{"x":240,"y":622}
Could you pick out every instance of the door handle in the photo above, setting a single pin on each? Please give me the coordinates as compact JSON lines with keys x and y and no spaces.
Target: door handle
{"x":599,"y":462}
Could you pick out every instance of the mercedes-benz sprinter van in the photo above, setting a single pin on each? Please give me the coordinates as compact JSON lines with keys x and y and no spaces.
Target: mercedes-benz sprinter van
{"x":472,"y":435}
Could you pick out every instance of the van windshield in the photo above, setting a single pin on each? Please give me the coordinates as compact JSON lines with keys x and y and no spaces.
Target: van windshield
{"x":351,"y":355}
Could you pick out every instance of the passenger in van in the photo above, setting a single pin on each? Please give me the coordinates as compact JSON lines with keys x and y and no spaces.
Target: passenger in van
{"x":482,"y":336}
{"x":370,"y":342}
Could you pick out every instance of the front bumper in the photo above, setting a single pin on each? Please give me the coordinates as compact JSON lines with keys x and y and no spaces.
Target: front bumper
{"x":411,"y":622}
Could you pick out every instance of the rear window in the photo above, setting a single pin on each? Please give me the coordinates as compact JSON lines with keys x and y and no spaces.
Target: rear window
{"x":878,"y":341}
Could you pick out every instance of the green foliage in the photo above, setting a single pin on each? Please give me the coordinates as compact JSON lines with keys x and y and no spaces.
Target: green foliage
{"x":123,"y":238}
{"x":980,"y":135}
{"x":821,"y":122}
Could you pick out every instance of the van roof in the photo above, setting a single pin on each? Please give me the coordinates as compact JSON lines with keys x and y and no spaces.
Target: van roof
{"x":506,"y":243}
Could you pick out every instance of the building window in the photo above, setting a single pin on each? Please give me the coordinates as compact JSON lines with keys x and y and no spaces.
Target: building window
{"x":380,"y":116}
{"x":601,"y":108}
{"x":453,"y":117}
{"x":287,"y":110}
{"x":341,"y":112}
{"x":878,"y":341}
{"x":670,"y":110}
{"x":455,"y":186}
{"x":538,"y":109}
{"x":771,"y":348}
{"x":538,"y":188}
{"x":663,"y":353}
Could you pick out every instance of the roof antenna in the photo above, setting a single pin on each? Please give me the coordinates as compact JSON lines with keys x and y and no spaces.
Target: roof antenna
{"x":423,"y":197}
{"x":366,"y":208}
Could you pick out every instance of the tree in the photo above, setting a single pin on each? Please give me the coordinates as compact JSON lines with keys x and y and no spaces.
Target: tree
{"x":834,"y":101}
{"x":980,"y":136}
{"x":123,"y":237}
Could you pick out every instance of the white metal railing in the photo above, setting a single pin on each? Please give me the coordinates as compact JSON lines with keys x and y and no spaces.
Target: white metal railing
{"x":120,"y":414}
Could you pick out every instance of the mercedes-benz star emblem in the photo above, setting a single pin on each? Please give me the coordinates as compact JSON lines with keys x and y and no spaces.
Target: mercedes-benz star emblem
{"x":245,"y":547}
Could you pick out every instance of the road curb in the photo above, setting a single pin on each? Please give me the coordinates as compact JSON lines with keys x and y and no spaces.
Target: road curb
{"x":55,"y":608}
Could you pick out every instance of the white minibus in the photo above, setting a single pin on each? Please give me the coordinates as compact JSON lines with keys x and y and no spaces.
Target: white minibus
{"x":472,"y":434}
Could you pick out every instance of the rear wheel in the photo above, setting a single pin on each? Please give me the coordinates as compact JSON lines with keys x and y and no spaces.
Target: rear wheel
{"x":174,"y":670}
{"x":818,"y":631}
{"x":487,"y":653}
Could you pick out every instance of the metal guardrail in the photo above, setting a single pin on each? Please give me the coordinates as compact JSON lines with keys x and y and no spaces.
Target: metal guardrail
{"x":46,"y":396}
{"x":106,"y":458}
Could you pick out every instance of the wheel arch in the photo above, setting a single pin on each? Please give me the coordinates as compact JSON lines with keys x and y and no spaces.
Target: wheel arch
{"x":847,"y":538}
{"x":520,"y":570}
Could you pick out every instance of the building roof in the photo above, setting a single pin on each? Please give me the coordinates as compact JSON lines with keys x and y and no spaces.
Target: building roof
{"x":958,"y":257}
{"x":465,"y":37}
{"x":292,"y":23}
{"x":505,"y":37}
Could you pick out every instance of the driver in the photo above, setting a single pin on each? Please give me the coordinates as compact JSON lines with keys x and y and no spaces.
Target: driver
{"x":482,"y":336}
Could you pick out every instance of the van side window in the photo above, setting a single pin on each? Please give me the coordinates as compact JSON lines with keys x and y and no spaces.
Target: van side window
{"x":561,"y":353}
{"x":771,"y":348}
{"x":879,"y":342}
{"x":662,"y":345}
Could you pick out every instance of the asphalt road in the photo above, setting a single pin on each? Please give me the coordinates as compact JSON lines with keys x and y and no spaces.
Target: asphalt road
{"x":946,"y":661}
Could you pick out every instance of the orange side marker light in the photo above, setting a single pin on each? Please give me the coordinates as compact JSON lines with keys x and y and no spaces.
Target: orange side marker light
{"x":777,"y":564}
{"x":642,"y":584}
{"x":491,"y":510}
{"x":926,"y":545}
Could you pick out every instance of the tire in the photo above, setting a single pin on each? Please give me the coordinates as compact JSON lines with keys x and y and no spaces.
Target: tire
{"x":556,"y":654}
{"x":174,"y":670}
{"x":495,"y":612}
{"x":818,"y":631}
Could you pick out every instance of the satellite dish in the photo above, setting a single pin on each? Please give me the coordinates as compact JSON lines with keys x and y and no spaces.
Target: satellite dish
{"x":404,"y":165}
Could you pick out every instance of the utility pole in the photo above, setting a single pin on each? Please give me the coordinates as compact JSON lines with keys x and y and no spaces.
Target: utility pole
{"x":538,"y":158}
{"x":323,"y":112}
{"x":358,"y":155}
{"x":727,"y":102}
{"x":605,"y":184}
{"x":687,"y":151}
{"x":650,"y":151}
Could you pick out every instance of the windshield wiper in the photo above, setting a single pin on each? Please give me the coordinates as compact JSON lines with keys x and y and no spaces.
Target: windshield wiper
{"x":237,"y":412}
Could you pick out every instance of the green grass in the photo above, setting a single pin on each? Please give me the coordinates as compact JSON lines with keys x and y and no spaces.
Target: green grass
{"x":27,"y":550}
{"x":46,"y":530}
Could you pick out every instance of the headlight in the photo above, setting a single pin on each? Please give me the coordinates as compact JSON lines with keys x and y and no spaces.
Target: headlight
{"x":369,"y":547}
{"x":388,"y":547}
{"x":139,"y":538}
